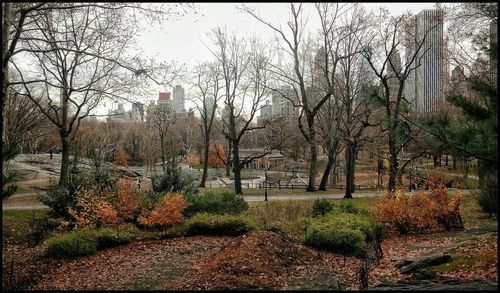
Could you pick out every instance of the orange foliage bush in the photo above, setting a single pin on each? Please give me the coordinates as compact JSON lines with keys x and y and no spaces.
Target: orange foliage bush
{"x":166,"y":212}
{"x":193,"y":160}
{"x":215,"y":152}
{"x":129,"y":200}
{"x":421,"y":210}
{"x":93,"y":208}
{"x":121,"y":158}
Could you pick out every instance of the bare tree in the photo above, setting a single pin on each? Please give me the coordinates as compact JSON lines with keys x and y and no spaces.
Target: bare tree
{"x":149,"y":148}
{"x":387,"y":39}
{"x":209,"y":86}
{"x":77,"y":58}
{"x":330,"y":137}
{"x":187,"y":133}
{"x":161,"y":118}
{"x":312,"y":92}
{"x":244,"y":71}
{"x":133,"y":141}
{"x":353,"y":86}
{"x":472,"y":26}
{"x":27,"y":126}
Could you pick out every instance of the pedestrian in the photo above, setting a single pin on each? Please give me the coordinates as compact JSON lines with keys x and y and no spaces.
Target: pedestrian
{"x":50,"y":151}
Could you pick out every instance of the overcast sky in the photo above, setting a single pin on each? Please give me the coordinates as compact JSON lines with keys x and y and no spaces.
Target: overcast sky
{"x":183,"y":40}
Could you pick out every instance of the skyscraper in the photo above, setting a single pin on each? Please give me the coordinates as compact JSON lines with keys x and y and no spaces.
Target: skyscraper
{"x":178,"y":97}
{"x":393,"y":71}
{"x":209,"y":104}
{"x":281,"y":105}
{"x":425,"y":85}
{"x":266,"y":113}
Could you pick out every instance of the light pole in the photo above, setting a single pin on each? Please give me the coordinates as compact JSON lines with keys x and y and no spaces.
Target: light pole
{"x":265,"y":184}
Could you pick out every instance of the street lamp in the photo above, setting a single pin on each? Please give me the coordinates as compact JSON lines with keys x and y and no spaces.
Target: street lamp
{"x":265,"y":184}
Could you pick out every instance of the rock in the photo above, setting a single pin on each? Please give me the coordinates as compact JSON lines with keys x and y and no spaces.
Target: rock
{"x":403,"y":263}
{"x":452,"y":285}
{"x":417,"y":264}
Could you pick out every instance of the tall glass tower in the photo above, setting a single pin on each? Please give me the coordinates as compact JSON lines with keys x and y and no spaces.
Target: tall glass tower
{"x":425,"y":85}
{"x":178,"y":97}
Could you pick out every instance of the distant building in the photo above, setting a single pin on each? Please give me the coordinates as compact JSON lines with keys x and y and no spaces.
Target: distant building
{"x":425,"y":85}
{"x":137,"y":112}
{"x":281,"y":104}
{"x":366,"y":79}
{"x":117,"y":115}
{"x":164,"y":100}
{"x":210,"y":104}
{"x":392,"y":75}
{"x":266,"y":113}
{"x":319,"y":80}
{"x":178,"y":99}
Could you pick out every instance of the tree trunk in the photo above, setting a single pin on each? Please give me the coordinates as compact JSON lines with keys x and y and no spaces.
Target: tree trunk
{"x":205,"y":163}
{"x":446,"y":160}
{"x":228,"y":159}
{"x":350,"y":162}
{"x":162,"y":152}
{"x":311,"y":186}
{"x":6,"y":25}
{"x":326,"y":173}
{"x":64,"y":176}
{"x":393,"y":165}
{"x":380,"y":170}
{"x":173,"y":154}
{"x":435,"y":160}
{"x":334,"y":174}
{"x":237,"y":170}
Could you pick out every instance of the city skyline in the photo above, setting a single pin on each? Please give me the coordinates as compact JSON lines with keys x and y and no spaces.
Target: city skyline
{"x":184,"y":40}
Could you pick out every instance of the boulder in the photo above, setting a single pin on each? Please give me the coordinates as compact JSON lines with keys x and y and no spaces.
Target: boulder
{"x":417,"y":264}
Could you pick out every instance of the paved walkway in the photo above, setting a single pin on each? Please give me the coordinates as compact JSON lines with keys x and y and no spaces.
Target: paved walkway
{"x":17,"y":203}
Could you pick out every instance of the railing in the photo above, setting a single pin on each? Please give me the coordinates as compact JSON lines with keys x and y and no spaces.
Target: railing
{"x":304,"y":186}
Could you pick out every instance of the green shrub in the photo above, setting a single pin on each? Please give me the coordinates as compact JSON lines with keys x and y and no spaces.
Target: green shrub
{"x":73,"y":244}
{"x":59,"y":198}
{"x":487,"y":196}
{"x":341,"y":233}
{"x":85,"y":242}
{"x":338,"y":239}
{"x":350,"y":207}
{"x":107,"y":237}
{"x":215,"y":203}
{"x":206,"y":224}
{"x":174,"y":179}
{"x":321,"y":207}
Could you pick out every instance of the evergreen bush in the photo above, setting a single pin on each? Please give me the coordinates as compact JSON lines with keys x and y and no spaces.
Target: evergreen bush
{"x":219,"y":225}
{"x":215,"y":203}
{"x":174,"y":179}
{"x":321,"y":207}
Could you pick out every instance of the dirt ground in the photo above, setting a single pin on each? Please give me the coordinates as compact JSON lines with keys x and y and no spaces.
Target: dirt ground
{"x":256,"y":260}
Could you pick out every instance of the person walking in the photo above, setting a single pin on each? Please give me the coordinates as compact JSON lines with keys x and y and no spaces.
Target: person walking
{"x":51,"y":152}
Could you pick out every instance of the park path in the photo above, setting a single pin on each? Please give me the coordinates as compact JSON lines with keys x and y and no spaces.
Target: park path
{"x":28,"y":201}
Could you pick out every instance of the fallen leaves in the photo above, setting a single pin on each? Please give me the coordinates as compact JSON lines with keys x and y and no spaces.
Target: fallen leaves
{"x":256,"y":260}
